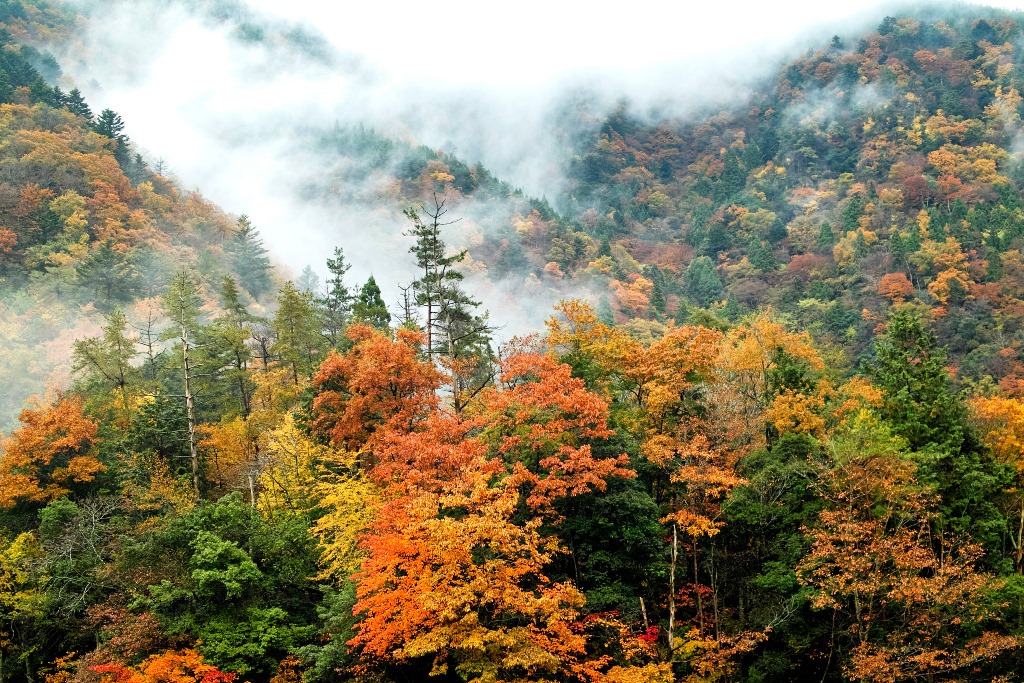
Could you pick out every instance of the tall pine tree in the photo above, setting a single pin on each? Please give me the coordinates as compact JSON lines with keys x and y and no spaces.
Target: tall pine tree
{"x":249,"y":258}
{"x":335,"y":306}
{"x":181,"y":306}
{"x":75,"y":103}
{"x":369,"y":306}
{"x":298,"y":342}
{"x":110,"y":124}
{"x":455,"y":332}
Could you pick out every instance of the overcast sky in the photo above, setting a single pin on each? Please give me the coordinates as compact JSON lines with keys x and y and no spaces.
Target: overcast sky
{"x":482,"y":76}
{"x":532,"y":41}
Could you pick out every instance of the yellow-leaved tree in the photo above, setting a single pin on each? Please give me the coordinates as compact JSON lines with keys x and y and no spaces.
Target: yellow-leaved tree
{"x":22,"y":598}
{"x":1000,"y":421}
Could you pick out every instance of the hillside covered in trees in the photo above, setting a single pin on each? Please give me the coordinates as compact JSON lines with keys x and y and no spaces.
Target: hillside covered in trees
{"x":88,"y":226}
{"x":781,"y":440}
{"x":879,"y":170}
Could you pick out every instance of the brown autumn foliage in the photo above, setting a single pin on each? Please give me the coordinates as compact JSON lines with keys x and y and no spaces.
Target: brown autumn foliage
{"x":913,"y":604}
{"x":895,"y":287}
{"x":379,"y":383}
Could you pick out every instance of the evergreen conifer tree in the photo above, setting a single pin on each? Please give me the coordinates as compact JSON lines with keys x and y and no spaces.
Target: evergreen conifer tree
{"x":702,"y":283}
{"x":109,"y":274}
{"x":922,"y":406}
{"x":224,"y":354}
{"x":826,"y":238}
{"x":604,"y":311}
{"x":106,"y":361}
{"x":334,"y":308}
{"x":76,"y":104}
{"x":249,"y":258}
{"x":450,"y":321}
{"x":455,"y":332}
{"x":919,"y":399}
{"x":110,"y":124}
{"x":369,"y":306}
{"x":181,"y":306}
{"x":761,"y":256}
{"x":308,"y":281}
{"x":298,"y":342}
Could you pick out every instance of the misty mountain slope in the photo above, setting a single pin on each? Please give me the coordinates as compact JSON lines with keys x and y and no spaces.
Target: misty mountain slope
{"x":875,"y":170}
{"x":85,"y":227}
{"x":746,"y":457}
{"x":869,"y":172}
{"x":808,"y":197}
{"x":364,"y":167}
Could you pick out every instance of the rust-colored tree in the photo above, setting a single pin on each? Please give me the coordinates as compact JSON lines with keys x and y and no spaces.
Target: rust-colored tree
{"x":896,"y":287}
{"x":452,"y":577}
{"x":53,"y":451}
{"x":378,"y":383}
{"x":456,"y":558}
{"x":540,"y":425}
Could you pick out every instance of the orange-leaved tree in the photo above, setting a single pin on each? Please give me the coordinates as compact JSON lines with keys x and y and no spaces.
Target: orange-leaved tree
{"x":455,"y":574}
{"x":660,"y":394}
{"x":681,"y":439}
{"x":53,"y":451}
{"x":455,"y":566}
{"x":379,"y":383}
{"x":185,"y":666}
{"x":895,"y":286}
{"x":677,"y":432}
{"x":541,"y":425}
{"x":1000,"y":421}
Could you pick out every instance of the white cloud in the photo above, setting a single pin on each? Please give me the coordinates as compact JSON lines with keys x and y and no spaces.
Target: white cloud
{"x":523,"y":43}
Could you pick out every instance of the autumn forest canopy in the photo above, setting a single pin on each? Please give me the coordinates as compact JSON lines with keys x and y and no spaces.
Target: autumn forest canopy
{"x":773,"y":429}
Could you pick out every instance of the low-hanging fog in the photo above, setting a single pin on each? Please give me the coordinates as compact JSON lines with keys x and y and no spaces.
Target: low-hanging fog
{"x":225,"y":93}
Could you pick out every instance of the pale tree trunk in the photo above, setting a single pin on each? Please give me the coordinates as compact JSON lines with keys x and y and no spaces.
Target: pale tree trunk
{"x":714,"y":592}
{"x":432,"y":284}
{"x":190,"y":412}
{"x":1019,"y":549}
{"x":672,"y":590}
{"x":456,"y":388}
{"x":696,"y":591}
